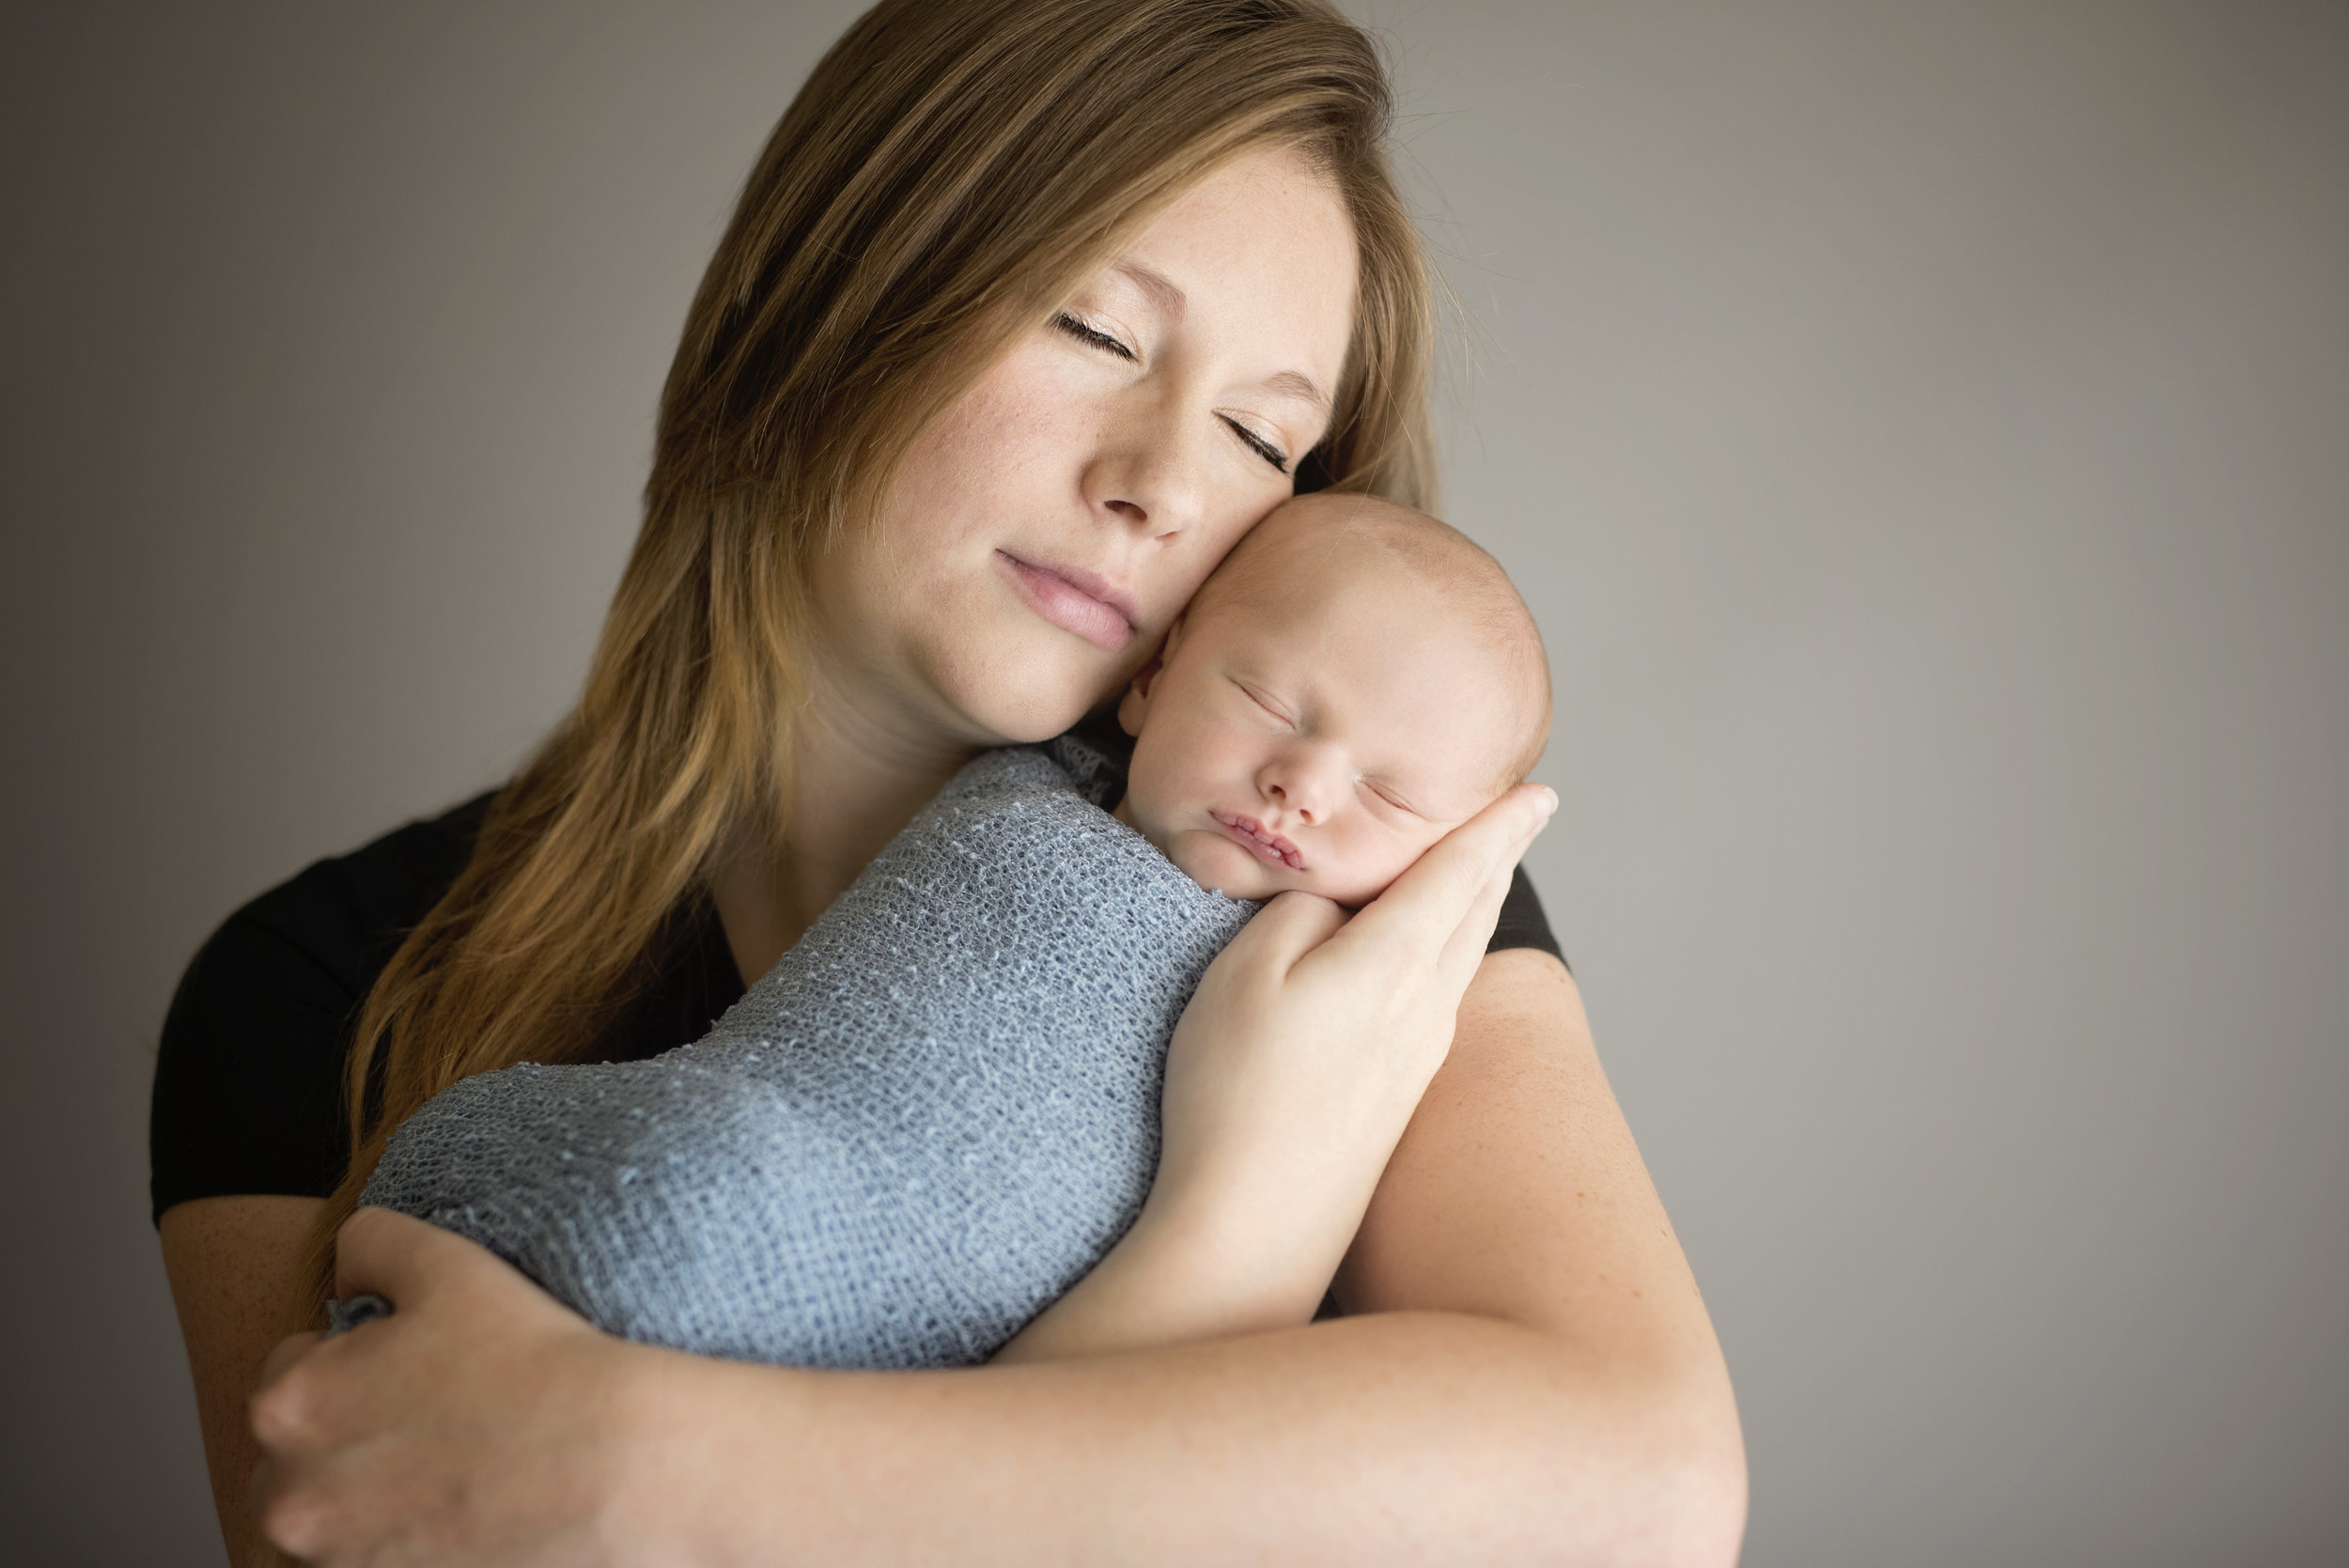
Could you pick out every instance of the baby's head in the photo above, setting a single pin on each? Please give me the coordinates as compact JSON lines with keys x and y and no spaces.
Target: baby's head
{"x":1354,"y":681}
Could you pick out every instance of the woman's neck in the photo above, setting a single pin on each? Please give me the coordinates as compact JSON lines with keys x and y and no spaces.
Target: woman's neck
{"x":857,"y":779}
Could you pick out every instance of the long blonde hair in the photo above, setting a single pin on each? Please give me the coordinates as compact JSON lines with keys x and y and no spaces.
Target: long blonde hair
{"x":946,"y":175}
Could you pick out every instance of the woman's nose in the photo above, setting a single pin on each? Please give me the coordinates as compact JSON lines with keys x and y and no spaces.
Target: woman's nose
{"x":1151,"y":469}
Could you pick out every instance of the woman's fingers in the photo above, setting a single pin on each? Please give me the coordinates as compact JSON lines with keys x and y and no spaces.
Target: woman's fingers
{"x":289,"y":1351}
{"x":1465,"y":948}
{"x":415,"y":1266}
{"x":386,"y":1254}
{"x":1292,"y":926}
{"x":427,"y":1427}
{"x":1430,"y":902}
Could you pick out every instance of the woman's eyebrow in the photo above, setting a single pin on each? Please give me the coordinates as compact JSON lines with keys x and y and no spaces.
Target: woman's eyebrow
{"x":1163,"y":291}
{"x":1296,"y":384}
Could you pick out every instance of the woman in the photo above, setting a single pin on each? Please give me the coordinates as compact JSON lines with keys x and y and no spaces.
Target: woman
{"x":1029,"y":310}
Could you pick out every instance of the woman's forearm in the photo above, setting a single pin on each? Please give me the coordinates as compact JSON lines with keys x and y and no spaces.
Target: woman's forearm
{"x":1404,"y":1437}
{"x":1194,"y":1268}
{"x":232,"y":1263}
{"x":1167,"y":1281}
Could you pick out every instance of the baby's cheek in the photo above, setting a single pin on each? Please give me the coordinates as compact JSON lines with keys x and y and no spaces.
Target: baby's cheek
{"x":1216,"y":862}
{"x":1369,"y":871}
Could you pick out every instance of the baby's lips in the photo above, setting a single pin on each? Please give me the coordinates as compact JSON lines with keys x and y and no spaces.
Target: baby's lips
{"x":1270,"y":846}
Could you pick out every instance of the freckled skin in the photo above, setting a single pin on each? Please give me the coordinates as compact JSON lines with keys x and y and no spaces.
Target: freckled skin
{"x":1344,"y":708}
{"x":1126,"y":435}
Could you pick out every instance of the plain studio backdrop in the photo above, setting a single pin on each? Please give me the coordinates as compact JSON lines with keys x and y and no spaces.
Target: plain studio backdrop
{"x":1922,"y":430}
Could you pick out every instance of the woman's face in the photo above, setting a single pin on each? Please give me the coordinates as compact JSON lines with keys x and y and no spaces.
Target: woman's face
{"x":1046,"y":529}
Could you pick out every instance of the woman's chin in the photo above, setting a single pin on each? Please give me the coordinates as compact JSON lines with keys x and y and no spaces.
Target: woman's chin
{"x":1045,"y":697}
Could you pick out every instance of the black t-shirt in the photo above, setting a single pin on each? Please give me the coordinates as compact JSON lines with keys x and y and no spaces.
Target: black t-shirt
{"x":248,"y":1081}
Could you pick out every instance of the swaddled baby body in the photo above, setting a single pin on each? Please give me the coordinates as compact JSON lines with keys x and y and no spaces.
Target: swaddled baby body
{"x":939,"y":1108}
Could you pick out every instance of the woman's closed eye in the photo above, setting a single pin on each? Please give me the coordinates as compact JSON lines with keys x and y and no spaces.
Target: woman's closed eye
{"x":1109,"y":343}
{"x":1256,"y":443}
{"x":1085,"y":331}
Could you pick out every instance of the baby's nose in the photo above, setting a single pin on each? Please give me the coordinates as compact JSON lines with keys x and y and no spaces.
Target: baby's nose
{"x":1306,"y":788}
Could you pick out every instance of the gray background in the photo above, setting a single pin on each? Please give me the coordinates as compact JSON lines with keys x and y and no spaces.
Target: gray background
{"x":1922,"y":430}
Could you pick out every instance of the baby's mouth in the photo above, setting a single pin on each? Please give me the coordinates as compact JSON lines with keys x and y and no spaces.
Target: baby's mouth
{"x":1271,"y":846}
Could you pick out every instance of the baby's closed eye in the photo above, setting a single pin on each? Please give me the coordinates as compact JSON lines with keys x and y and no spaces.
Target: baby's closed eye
{"x":1264,"y":700}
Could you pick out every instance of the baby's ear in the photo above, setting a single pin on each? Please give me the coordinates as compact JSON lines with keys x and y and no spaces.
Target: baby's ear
{"x":1135,"y":704}
{"x":1136,"y":701}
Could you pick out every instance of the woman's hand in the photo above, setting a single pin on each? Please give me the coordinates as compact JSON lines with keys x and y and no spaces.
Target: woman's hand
{"x":482,"y":1422}
{"x":1299,"y":1061}
{"x":1288,"y":1082}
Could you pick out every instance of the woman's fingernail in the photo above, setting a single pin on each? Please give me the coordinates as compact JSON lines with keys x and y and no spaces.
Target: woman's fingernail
{"x":1548,"y":803}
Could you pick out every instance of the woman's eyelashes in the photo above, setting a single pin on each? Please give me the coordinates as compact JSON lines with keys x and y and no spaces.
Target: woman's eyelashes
{"x":1086,"y":332}
{"x":1257,"y":444}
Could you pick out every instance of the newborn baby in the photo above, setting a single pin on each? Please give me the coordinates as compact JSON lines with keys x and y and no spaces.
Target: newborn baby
{"x":939,"y":1108}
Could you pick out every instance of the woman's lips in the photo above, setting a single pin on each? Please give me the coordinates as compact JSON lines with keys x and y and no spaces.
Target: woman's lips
{"x":1271,"y":846}
{"x":1075,"y":600}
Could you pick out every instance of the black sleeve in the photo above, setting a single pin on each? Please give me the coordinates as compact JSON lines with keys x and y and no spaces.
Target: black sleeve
{"x":248,"y":1075}
{"x":1523,"y":923}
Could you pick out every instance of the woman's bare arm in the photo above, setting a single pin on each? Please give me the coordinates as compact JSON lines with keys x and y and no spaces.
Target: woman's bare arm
{"x":1518,"y":1195}
{"x":1534,"y":1378}
{"x":231,"y":1262}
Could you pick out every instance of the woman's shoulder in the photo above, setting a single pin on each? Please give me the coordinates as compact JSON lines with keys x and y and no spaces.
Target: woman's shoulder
{"x":248,"y":1070}
{"x":1523,"y":921}
{"x":348,"y":913}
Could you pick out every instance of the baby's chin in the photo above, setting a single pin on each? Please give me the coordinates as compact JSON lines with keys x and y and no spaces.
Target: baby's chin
{"x":1217,"y":863}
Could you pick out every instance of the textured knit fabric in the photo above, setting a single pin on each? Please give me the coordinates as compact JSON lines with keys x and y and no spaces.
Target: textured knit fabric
{"x":248,"y":1094}
{"x":926,"y":1122}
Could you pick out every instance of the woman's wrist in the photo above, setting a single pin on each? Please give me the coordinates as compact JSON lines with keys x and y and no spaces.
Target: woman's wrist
{"x":1190,"y":1268}
{"x":699,"y":1445}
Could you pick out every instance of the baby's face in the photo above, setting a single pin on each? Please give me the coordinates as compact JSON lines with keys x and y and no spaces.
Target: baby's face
{"x":1321,"y":740}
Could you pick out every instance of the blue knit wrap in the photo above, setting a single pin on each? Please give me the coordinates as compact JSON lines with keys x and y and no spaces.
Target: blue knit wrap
{"x":926,"y":1122}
